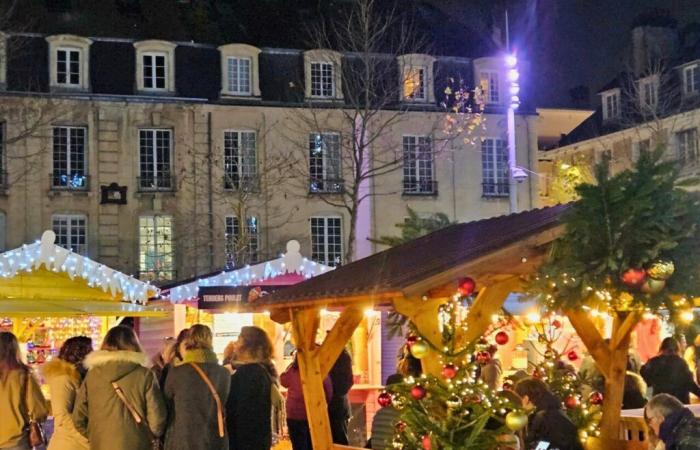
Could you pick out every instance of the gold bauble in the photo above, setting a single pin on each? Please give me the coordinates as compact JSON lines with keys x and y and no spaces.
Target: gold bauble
{"x":661,"y":270}
{"x":516,"y":420}
{"x":653,"y":286}
{"x":419,"y":349}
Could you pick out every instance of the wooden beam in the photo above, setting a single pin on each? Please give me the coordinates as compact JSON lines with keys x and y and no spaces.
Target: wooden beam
{"x":304,"y":327}
{"x":591,"y":338}
{"x":338,"y":337}
{"x":488,"y":302}
{"x":424,"y":315}
{"x":625,"y":328}
{"x":615,"y":379}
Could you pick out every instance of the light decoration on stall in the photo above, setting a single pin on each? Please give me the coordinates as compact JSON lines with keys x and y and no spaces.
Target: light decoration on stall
{"x":291,"y":262}
{"x":55,"y":258}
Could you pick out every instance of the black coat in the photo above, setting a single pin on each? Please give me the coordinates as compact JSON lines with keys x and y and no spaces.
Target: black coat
{"x":342,"y":380}
{"x":249,"y":408}
{"x":669,"y":374}
{"x":193,"y":422}
{"x":552,"y":425}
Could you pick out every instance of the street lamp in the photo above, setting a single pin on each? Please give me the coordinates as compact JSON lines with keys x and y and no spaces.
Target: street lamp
{"x":515,"y":174}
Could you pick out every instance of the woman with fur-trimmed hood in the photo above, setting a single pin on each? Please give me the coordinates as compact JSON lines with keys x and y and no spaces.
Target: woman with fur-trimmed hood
{"x":64,"y":375}
{"x":101,"y":415}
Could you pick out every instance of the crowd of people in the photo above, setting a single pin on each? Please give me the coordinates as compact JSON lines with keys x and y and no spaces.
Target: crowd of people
{"x":114,"y":398}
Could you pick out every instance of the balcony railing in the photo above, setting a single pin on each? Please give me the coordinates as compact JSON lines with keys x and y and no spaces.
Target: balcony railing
{"x":412,"y":186}
{"x":326,"y":186}
{"x":69,"y":181}
{"x":248,"y":183}
{"x":156,"y":183}
{"x":489,"y":189}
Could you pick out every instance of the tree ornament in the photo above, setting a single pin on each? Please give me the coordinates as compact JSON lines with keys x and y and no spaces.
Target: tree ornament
{"x":596,"y":398}
{"x":516,"y":420}
{"x":483,"y":357}
{"x":449,"y":371}
{"x":661,"y":270}
{"x":453,"y":401}
{"x":384,"y":399}
{"x":550,"y":354}
{"x":571,"y":402}
{"x":418,"y":392}
{"x":501,"y":338}
{"x":410,"y":340}
{"x":400,"y":426}
{"x":653,"y":286}
{"x":556,"y":324}
{"x":425,"y":441}
{"x":633,"y":277}
{"x":419,"y":349}
{"x":572,"y":355}
{"x":466,"y":286}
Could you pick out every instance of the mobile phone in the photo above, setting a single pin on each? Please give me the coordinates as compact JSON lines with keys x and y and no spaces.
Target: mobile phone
{"x":542,"y":445}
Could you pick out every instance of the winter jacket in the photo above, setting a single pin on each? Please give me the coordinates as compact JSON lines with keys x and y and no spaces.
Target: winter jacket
{"x":552,"y":425}
{"x":63,"y":380}
{"x":680,"y":431}
{"x":669,"y":374}
{"x":342,"y":380}
{"x":249,"y":408}
{"x":102,"y":417}
{"x":291,"y":379}
{"x":193,"y":422}
{"x":15,"y":409}
{"x":384,"y":427}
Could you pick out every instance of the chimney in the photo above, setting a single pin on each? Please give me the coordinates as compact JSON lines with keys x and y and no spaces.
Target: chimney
{"x":655,"y":38}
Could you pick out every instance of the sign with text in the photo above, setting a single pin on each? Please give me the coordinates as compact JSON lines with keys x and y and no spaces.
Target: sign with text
{"x":229,"y":298}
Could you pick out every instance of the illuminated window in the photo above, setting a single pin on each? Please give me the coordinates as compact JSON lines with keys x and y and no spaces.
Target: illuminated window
{"x":239,"y":76}
{"x":324,"y":163}
{"x":156,"y":248}
{"x":489,"y":86}
{"x":494,"y":166}
{"x":240,"y":165}
{"x":414,"y":83}
{"x":327,"y":240}
{"x":322,"y":80}
{"x":154,"y":156}
{"x":71,"y":232}
{"x":69,"y":160}
{"x":418,"y":170}
{"x":691,"y":79}
{"x":242,"y":244}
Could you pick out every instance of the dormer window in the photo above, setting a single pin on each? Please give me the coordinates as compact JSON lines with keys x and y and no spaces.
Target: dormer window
{"x":416,"y":77}
{"x":69,"y":62}
{"x":239,"y":70}
{"x":155,"y":66}
{"x":649,"y":92}
{"x":489,"y":83}
{"x":691,"y":79}
{"x":323,"y":74}
{"x":611,"y":104}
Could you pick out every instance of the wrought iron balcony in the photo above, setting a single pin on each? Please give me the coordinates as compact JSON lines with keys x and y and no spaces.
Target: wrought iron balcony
{"x":412,"y":186}
{"x":490,"y":189}
{"x":247,"y":183}
{"x":326,"y":186}
{"x":61,"y":181}
{"x":156,"y":183}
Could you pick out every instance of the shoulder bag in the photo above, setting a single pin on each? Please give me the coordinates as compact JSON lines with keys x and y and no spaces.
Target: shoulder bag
{"x":156,"y":443}
{"x":35,"y":431}
{"x":217,"y":399}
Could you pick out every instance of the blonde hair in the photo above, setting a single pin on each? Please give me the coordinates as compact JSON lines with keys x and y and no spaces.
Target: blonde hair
{"x":255,"y":344}
{"x":199,"y":337}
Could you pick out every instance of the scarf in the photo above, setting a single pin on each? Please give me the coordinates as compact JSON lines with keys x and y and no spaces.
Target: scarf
{"x":198,"y":355}
{"x":668,"y":429}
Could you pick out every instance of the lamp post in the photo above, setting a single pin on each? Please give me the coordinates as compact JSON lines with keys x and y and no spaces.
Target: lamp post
{"x":515,"y":173}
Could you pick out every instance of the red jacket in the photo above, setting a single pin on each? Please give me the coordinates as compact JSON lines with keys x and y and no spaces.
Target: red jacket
{"x":295,"y":396}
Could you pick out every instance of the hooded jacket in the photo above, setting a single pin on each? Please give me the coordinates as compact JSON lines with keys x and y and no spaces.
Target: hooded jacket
{"x":15,"y":409}
{"x":102,"y":417}
{"x":193,"y":421}
{"x":63,"y":380}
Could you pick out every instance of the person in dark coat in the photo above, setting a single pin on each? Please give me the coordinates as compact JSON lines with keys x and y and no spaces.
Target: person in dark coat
{"x":339,"y":406}
{"x":668,"y":373}
{"x":249,"y":405}
{"x":193,"y":420}
{"x":674,"y":424}
{"x":548,"y":422}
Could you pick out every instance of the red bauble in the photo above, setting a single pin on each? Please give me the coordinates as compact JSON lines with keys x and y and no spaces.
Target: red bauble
{"x":418,"y":392}
{"x":501,"y":338}
{"x":449,"y":371}
{"x":384,"y":399}
{"x":412,"y":339}
{"x":596,"y":398}
{"x":425,"y":440}
{"x":483,"y":357}
{"x":572,"y":355}
{"x":556,"y":324}
{"x":466,"y":286}
{"x":634,"y":278}
{"x":571,"y":402}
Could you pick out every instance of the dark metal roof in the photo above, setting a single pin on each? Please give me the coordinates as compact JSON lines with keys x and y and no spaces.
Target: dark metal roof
{"x":407,"y":264}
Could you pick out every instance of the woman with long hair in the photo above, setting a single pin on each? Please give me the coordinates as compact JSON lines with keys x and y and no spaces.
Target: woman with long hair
{"x":21,"y":400}
{"x":249,"y":404}
{"x":668,"y":373}
{"x":119,"y":405}
{"x":64,"y":375}
{"x":197,"y":414}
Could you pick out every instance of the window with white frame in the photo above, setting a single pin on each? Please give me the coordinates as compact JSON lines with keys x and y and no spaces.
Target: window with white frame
{"x":156,"y":261}
{"x":611,"y":105}
{"x":322,"y":80}
{"x":242,"y":244}
{"x":648,"y":91}
{"x":155,"y":172}
{"x":494,"y":167}
{"x":155,"y":70}
{"x":69,"y":159}
{"x":691,"y":79}
{"x":327,"y":240}
{"x":418,"y":169}
{"x":490,"y":87}
{"x":324,"y":163}
{"x":240,"y":161}
{"x":643,"y":145}
{"x":414,"y":83}
{"x":68,"y":66}
{"x":687,"y":146}
{"x":239,"y":75}
{"x":71,"y":232}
